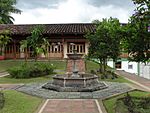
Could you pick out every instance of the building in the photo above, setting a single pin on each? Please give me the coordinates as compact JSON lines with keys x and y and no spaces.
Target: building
{"x":64,"y":38}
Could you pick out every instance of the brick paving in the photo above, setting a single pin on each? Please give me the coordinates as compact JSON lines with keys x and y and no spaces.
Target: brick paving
{"x":136,"y":78}
{"x":71,"y":106}
{"x":9,"y":86}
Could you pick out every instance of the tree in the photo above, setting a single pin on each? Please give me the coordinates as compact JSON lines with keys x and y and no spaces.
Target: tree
{"x":37,"y":41}
{"x":115,"y":37}
{"x":6,"y":8}
{"x":105,"y":42}
{"x":137,"y":37}
{"x":4,"y":40}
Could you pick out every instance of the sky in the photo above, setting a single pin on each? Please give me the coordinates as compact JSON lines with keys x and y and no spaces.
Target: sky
{"x":72,"y":11}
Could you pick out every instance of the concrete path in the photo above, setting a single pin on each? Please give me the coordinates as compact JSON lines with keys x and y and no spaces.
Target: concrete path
{"x":3,"y":73}
{"x":71,"y":106}
{"x":139,"y":81}
{"x":9,"y":86}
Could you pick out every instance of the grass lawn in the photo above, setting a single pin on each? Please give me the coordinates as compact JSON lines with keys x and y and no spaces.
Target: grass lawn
{"x":7,"y":80}
{"x":91,"y":66}
{"x":16,"y":102}
{"x":60,"y":65}
{"x":6,"y":64}
{"x":120,"y":79}
{"x":111,"y":102}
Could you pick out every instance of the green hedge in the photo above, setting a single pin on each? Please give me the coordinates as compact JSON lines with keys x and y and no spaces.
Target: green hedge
{"x":2,"y":100}
{"x":31,"y":70}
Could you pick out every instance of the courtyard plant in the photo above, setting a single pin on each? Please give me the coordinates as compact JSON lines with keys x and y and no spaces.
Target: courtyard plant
{"x":132,"y":102}
{"x":36,"y":69}
{"x":37,"y":42}
{"x":137,"y":33}
{"x":4,"y":40}
{"x":2,"y":100}
{"x":105,"y":42}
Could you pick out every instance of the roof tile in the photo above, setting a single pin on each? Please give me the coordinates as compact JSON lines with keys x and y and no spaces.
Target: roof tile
{"x":76,"y":28}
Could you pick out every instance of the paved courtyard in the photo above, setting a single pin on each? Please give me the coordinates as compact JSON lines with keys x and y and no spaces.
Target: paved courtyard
{"x":70,"y":106}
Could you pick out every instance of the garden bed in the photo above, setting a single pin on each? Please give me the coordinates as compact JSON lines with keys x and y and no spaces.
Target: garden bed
{"x":132,"y":102}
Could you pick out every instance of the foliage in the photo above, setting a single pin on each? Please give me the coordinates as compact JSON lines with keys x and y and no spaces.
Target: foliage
{"x":17,"y":102}
{"x":2,"y":100}
{"x":105,"y":42}
{"x":4,"y":39}
{"x":36,"y":41}
{"x":137,"y":37}
{"x":29,"y":71}
{"x":112,"y":102}
{"x":59,"y":64}
{"x":7,"y":7}
{"x":133,"y":104}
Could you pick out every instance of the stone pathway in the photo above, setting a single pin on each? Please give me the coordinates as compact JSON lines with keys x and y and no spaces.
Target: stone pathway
{"x":71,"y":106}
{"x":139,"y":81}
{"x":37,"y":90}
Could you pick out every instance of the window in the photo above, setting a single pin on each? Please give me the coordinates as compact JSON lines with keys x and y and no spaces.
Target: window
{"x":80,"y":47}
{"x":130,"y":66}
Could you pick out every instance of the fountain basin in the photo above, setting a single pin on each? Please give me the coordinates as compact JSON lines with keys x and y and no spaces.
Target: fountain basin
{"x":82,"y":81}
{"x":67,"y":83}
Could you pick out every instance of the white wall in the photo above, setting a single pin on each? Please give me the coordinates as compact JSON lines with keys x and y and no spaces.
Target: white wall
{"x":145,"y":70}
{"x":134,"y":69}
{"x":110,"y":63}
{"x":124,"y":66}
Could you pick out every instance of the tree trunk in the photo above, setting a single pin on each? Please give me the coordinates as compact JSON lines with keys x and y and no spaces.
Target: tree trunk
{"x":114,"y":67}
{"x":104,"y":66}
{"x":100,"y":65}
{"x":25,"y":54}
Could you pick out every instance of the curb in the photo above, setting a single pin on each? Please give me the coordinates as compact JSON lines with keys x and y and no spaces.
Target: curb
{"x":43,"y":106}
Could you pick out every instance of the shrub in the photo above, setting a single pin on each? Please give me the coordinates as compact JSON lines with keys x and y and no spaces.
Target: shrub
{"x":2,"y":100}
{"x":93,"y":72}
{"x":31,"y":70}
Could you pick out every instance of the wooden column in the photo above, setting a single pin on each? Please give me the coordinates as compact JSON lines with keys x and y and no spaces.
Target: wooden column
{"x":14,"y":49}
{"x":62,"y":49}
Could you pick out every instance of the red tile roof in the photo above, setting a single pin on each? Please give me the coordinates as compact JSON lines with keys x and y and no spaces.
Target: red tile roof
{"x":76,"y":28}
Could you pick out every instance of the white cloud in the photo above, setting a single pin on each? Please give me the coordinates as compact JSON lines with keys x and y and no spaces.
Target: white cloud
{"x":70,"y":11}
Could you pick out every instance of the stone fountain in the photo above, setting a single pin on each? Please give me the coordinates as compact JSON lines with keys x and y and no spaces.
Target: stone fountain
{"x":75,"y":82}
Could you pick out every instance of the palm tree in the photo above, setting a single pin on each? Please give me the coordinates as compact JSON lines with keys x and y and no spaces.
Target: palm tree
{"x":7,"y":7}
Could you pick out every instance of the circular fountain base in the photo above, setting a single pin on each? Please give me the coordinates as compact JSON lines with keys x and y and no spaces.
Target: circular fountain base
{"x":67,"y":83}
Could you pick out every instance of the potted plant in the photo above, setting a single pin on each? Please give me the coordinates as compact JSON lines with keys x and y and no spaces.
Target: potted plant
{"x":4,"y":39}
